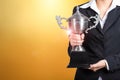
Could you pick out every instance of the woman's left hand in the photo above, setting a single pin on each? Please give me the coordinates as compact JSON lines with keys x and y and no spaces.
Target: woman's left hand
{"x":99,"y":65}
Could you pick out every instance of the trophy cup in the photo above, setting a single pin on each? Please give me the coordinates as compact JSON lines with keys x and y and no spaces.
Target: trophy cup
{"x":78,"y":24}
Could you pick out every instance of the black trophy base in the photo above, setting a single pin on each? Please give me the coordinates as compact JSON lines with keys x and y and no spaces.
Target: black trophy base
{"x":83,"y":66}
{"x":79,"y":60}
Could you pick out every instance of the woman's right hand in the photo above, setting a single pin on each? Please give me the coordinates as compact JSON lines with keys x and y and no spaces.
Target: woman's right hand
{"x":76,"y":39}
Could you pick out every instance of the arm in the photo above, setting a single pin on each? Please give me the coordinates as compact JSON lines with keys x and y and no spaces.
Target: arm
{"x":113,"y":62}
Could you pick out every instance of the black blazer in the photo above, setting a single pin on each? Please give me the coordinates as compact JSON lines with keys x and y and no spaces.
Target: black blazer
{"x":100,"y":44}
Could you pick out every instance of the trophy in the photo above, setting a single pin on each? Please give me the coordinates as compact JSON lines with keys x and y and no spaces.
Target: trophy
{"x":78,"y":24}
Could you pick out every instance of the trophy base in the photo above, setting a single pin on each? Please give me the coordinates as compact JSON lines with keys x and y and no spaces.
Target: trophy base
{"x":78,"y":49}
{"x":79,"y":60}
{"x":83,"y":66}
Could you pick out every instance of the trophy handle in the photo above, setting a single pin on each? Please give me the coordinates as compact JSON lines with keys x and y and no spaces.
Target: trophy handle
{"x":97,"y":19}
{"x":59,"y":19}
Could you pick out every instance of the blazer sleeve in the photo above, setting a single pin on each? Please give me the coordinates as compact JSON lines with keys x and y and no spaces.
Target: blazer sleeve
{"x":113,"y":62}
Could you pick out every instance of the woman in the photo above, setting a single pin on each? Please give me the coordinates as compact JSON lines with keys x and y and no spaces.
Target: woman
{"x":104,"y":40}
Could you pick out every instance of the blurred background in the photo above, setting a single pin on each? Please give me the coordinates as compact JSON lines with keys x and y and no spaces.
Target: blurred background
{"x":32,"y":46}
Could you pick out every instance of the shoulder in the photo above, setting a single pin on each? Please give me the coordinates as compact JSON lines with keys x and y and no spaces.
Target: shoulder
{"x":116,"y":10}
{"x":118,"y":7}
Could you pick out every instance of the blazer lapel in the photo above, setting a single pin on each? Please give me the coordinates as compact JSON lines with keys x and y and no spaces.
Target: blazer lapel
{"x":112,"y":17}
{"x":98,"y":27}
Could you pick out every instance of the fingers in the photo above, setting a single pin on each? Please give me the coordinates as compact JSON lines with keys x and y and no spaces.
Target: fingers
{"x":76,"y":42}
{"x":99,"y":65}
{"x":82,"y":36}
{"x":76,"y":39}
{"x":94,"y":67}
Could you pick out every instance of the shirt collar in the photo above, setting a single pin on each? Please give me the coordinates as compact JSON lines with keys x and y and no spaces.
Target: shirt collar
{"x":92,"y":5}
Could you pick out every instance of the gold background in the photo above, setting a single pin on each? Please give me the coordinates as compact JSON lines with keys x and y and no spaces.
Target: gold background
{"x":32,"y":46}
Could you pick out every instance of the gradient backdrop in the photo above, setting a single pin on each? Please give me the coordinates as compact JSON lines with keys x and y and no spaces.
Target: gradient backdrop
{"x":32,"y":46}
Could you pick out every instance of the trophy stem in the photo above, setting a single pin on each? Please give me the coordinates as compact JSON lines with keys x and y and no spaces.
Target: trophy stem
{"x":78,"y":49}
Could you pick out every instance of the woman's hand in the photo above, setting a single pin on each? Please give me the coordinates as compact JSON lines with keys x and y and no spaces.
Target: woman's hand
{"x":76,"y":39}
{"x":99,"y":65}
